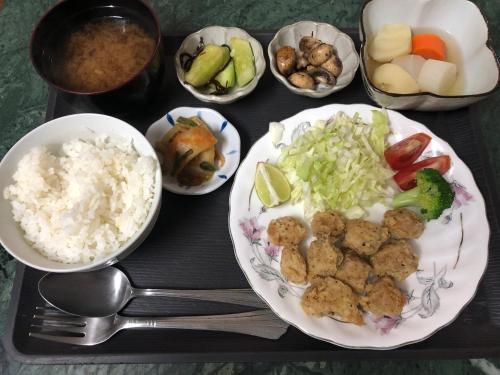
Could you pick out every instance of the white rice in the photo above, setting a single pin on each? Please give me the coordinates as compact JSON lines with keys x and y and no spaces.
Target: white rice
{"x":83,"y":202}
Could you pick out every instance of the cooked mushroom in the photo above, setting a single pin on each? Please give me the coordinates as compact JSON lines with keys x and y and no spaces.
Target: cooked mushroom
{"x":285,"y":60}
{"x":302,"y":80}
{"x":321,"y":75}
{"x":320,"y":54}
{"x":333,"y":65}
{"x":301,"y":60}
{"x":307,"y":43}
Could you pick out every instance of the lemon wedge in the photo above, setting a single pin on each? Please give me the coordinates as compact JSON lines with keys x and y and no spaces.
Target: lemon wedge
{"x":271,"y":185}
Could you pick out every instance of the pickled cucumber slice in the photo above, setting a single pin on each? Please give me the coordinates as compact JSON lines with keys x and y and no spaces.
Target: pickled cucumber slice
{"x":227,"y":77}
{"x":243,"y":58}
{"x":207,"y":64}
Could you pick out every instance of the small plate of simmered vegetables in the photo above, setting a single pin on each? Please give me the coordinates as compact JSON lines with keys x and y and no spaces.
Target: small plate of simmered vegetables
{"x":198,"y":149}
{"x":220,"y":64}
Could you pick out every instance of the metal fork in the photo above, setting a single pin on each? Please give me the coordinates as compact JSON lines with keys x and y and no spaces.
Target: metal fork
{"x":71,"y":329}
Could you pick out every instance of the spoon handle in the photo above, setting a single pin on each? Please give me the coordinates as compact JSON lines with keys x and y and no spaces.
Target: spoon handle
{"x":261,"y":323}
{"x":244,"y":297}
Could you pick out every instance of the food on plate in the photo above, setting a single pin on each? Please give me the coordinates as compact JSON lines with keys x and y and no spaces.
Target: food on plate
{"x":342,"y":280}
{"x":219,"y":68}
{"x":286,"y":60}
{"x":242,"y":54}
{"x":81,"y":200}
{"x":208,"y":62}
{"x":403,"y":223}
{"x":315,"y":63}
{"x":328,"y":225}
{"x":102,"y":55}
{"x":410,"y":63}
{"x":390,"y":41}
{"x":189,"y":152}
{"x":396,"y":259}
{"x":293,"y":265}
{"x":227,"y":77}
{"x":329,"y":296}
{"x":432,"y":195}
{"x":354,"y":271}
{"x":323,"y":259}
{"x":302,"y":80}
{"x":286,"y":231}
{"x":430,"y":46}
{"x":402,"y":61}
{"x":364,"y":237}
{"x":384,"y":298}
{"x":406,"y":177}
{"x":392,"y":78}
{"x":271,"y":185}
{"x":338,"y":165}
{"x":437,"y":76}
{"x":406,"y":151}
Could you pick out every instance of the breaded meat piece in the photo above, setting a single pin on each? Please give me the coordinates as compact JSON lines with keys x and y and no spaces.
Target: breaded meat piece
{"x":328,"y":225}
{"x":403,"y":223}
{"x":383,"y":298}
{"x":323,"y":259}
{"x":364,"y":237}
{"x":331,"y":296}
{"x":293,"y":265}
{"x":354,"y":271}
{"x":286,"y":231}
{"x":396,"y":259}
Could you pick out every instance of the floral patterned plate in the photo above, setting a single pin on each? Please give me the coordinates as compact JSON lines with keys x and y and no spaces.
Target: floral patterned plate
{"x":228,"y":144}
{"x":453,"y":250}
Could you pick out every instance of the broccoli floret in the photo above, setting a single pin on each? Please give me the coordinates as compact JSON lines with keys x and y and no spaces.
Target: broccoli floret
{"x":433,"y":194}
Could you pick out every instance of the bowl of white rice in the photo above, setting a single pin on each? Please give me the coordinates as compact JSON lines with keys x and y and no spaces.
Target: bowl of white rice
{"x":78,"y":193}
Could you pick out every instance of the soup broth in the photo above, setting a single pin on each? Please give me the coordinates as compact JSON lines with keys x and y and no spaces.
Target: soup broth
{"x":102,"y":55}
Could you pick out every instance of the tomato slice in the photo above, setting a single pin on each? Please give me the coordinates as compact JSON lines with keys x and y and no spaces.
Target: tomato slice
{"x":405,"y":152}
{"x":405,"y":178}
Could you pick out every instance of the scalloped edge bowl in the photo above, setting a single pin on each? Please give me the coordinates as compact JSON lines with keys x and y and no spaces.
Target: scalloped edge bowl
{"x":480,"y":61}
{"x":346,"y":50}
{"x":220,"y":35}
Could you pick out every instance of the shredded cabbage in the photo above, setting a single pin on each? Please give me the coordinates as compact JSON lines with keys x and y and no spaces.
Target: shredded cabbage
{"x":339,"y":164}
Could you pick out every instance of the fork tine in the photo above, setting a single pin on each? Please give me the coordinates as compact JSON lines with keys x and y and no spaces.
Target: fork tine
{"x":59,"y":328}
{"x":63,"y":339}
{"x":61,"y":318}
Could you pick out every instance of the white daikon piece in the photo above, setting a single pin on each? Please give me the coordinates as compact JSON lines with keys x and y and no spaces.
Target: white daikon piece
{"x":391,"y":41}
{"x":411,"y":63}
{"x":437,"y":76}
{"x":394,"y":79}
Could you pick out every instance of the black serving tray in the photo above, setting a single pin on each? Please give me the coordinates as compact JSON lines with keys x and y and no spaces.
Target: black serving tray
{"x":190,"y":247}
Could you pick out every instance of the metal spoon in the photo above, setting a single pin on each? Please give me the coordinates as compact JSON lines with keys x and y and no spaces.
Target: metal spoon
{"x":106,"y":291}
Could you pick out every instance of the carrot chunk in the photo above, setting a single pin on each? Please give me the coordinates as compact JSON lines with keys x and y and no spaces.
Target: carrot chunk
{"x":429,"y":46}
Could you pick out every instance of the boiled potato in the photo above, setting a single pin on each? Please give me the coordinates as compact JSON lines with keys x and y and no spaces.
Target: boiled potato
{"x":391,"y":41}
{"x":437,"y":76}
{"x":411,"y":63}
{"x":394,"y":79}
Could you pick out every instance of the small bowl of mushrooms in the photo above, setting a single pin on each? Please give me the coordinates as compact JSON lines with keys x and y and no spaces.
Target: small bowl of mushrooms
{"x":313,"y":59}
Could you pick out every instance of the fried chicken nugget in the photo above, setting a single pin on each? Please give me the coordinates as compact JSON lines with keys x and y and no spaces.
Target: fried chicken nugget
{"x":293,"y":265}
{"x":383,"y":298}
{"x":330,"y":296}
{"x":354,"y":271}
{"x":396,"y":259}
{"x":323,"y":259}
{"x":328,"y":225}
{"x":403,"y":223}
{"x":286,"y":231}
{"x":364,"y":237}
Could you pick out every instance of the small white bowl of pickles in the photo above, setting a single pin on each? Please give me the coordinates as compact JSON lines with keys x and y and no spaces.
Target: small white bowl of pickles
{"x":220,"y":64}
